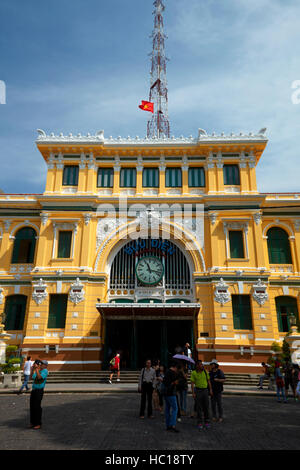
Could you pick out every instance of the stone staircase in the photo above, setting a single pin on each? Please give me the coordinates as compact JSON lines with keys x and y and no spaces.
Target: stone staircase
{"x":131,"y":377}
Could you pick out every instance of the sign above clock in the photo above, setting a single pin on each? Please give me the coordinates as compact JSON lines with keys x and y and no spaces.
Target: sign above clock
{"x":156,"y":245}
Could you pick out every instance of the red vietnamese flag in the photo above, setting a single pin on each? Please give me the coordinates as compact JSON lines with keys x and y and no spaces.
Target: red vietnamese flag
{"x":147,"y":106}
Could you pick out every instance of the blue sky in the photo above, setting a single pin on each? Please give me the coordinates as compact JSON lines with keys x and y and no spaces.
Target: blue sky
{"x":82,"y":65}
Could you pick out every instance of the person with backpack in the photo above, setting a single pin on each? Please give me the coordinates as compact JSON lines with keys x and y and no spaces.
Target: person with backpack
{"x":115,"y":367}
{"x":217,"y":379}
{"x":201,"y":388}
{"x":182,"y":388}
{"x":146,"y":386}
{"x":169,"y":392}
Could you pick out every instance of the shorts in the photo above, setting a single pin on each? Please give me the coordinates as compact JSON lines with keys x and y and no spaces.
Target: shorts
{"x":113,"y":369}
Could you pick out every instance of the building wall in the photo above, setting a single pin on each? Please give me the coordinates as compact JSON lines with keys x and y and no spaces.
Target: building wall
{"x":80,"y":344}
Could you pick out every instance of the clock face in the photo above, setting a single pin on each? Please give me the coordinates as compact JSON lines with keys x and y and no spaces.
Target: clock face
{"x":149,"y":270}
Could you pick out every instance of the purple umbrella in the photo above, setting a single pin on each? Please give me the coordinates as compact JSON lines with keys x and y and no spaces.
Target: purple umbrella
{"x":184,"y":358}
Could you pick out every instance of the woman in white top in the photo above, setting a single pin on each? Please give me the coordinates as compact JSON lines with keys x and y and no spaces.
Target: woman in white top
{"x":27,"y":371}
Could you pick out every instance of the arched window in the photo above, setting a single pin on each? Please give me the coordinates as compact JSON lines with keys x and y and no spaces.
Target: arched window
{"x":285,"y":305}
{"x":14,"y":312}
{"x":279,"y":246}
{"x":24,"y":245}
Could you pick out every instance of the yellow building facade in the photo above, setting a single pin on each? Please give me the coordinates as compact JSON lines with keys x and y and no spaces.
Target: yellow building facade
{"x":140,"y":245}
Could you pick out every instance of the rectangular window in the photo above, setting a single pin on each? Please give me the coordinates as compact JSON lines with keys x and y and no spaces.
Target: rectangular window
{"x":105,"y":178}
{"x":231,"y":175}
{"x":196,"y":177}
{"x":173,"y":178}
{"x":64,"y":244}
{"x":236,"y":242}
{"x":57,"y":310}
{"x":128,"y":178}
{"x":150,"y":178}
{"x":241,"y":309}
{"x":70,"y":176}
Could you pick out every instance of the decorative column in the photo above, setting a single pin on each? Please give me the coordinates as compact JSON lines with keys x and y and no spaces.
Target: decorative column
{"x":252,"y":174}
{"x":139,"y":177}
{"x":296,"y":244}
{"x":185,"y":176}
{"x":258,"y":240}
{"x":162,"y":177}
{"x":210,"y":174}
{"x":86,"y":242}
{"x":220,"y":177}
{"x":50,"y":174}
{"x":117,"y":169}
{"x":59,"y":174}
{"x":91,"y":188}
{"x":41,"y":251}
{"x":244,"y":174}
{"x":6,"y":244}
{"x":82,"y":174}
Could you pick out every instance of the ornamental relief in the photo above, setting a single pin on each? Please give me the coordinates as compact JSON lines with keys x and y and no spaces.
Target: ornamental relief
{"x":39,"y":292}
{"x":222,"y":294}
{"x":76,"y":293}
{"x":260,"y":292}
{"x":104,"y":228}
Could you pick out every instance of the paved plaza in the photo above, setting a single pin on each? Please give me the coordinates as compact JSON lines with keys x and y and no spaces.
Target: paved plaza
{"x":110,"y":422}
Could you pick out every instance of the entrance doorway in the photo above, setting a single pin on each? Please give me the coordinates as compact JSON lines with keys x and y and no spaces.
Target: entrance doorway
{"x":139,"y":340}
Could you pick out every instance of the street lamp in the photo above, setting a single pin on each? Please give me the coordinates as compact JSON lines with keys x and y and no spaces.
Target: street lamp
{"x":293,"y":323}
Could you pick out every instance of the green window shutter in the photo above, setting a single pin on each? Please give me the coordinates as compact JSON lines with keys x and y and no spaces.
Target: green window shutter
{"x":14,"y":312}
{"x":173,"y":178}
{"x":128,"y":178}
{"x":70,"y":175}
{"x":105,"y":178}
{"x":236,"y":242}
{"x":241,"y":309}
{"x":57,"y":310}
{"x":231,"y":175}
{"x":24,"y":246}
{"x":285,"y":305}
{"x":64,"y":244}
{"x":196,"y":177}
{"x":279,"y":246}
{"x":150,"y":178}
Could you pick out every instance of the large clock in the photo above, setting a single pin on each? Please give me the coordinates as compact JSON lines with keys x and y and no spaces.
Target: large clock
{"x":149,"y":270}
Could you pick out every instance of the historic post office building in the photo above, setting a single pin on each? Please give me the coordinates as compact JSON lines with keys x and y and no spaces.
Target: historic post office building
{"x":82,"y":275}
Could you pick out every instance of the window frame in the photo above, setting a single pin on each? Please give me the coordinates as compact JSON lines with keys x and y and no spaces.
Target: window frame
{"x":201,"y":176}
{"x":231,"y":248}
{"x":61,"y":320}
{"x":110,"y":177}
{"x":123,"y":183}
{"x":145,"y":184}
{"x":69,"y":179}
{"x":245,"y":324}
{"x":60,"y":231}
{"x":228,"y":177}
{"x":169,"y":178}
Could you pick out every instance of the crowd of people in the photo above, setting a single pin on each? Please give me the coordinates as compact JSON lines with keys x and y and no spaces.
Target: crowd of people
{"x":285,"y":375}
{"x":168,"y":388}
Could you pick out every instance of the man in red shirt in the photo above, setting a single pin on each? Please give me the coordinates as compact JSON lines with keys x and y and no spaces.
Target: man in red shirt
{"x":115,"y":367}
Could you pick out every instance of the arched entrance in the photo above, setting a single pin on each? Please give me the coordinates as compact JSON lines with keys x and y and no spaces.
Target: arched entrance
{"x":150,"y":307}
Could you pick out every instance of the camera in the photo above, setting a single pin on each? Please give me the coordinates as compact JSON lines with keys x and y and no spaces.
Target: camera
{"x":38,"y":362}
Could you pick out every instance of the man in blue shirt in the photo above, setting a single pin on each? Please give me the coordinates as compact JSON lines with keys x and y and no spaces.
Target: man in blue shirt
{"x":39,"y":377}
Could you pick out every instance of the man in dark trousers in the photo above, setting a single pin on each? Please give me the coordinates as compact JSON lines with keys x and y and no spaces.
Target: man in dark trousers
{"x":39,"y":378}
{"x":169,"y":391}
{"x":217,"y":379}
{"x":201,"y":387}
{"x":146,"y":387}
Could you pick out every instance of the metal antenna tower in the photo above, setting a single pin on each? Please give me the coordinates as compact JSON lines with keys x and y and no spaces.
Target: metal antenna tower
{"x":158,"y":125}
